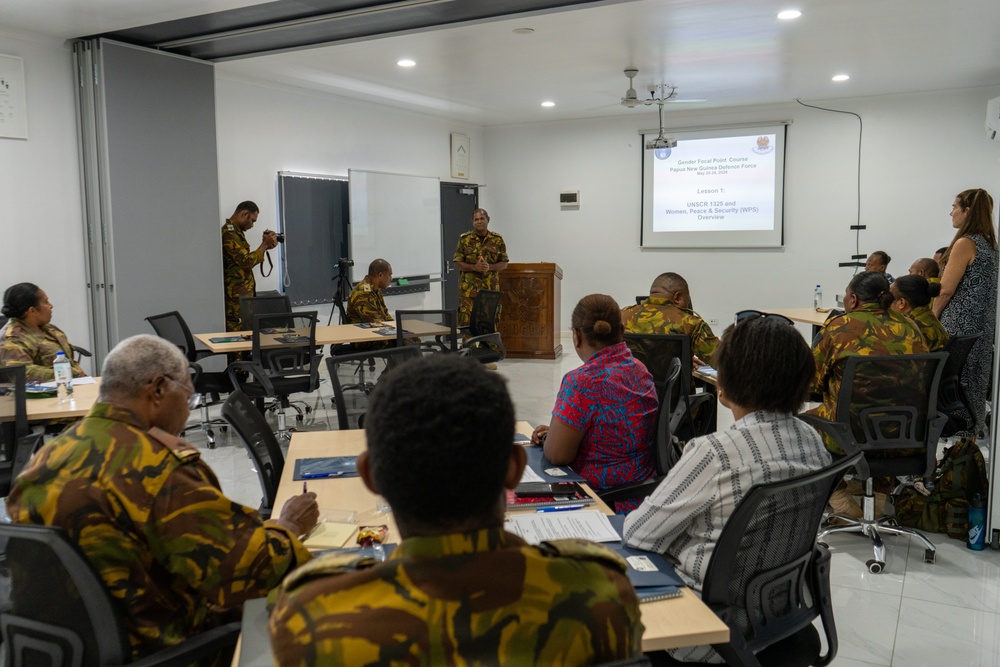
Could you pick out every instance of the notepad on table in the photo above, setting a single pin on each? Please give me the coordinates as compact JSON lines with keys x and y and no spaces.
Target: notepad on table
{"x":542,"y":527}
{"x":326,"y":467}
{"x":230,"y":339}
{"x":330,"y":535}
{"x":577,"y":496}
{"x":652,"y":576}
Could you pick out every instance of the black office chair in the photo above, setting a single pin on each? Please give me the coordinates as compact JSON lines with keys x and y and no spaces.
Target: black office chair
{"x":61,"y":614}
{"x":210,"y":384}
{"x":260,"y":443}
{"x":666,"y":449}
{"x":888,"y":404}
{"x":953,"y":399}
{"x":284,"y":361}
{"x":484,"y":343}
{"x":769,"y":580}
{"x":392,"y":357}
{"x":693,"y":414}
{"x":17,"y":443}
{"x":265,"y":304}
{"x":436,"y":330}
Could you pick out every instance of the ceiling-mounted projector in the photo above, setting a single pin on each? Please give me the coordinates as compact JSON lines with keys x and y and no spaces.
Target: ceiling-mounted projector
{"x":661,"y":142}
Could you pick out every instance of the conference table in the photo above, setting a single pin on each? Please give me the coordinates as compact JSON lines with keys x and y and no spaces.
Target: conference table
{"x":333,"y":334}
{"x":674,"y":623}
{"x":46,"y":409}
{"x":806,"y":315}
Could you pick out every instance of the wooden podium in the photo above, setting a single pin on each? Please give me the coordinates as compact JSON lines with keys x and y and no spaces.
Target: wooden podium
{"x":529,"y":316}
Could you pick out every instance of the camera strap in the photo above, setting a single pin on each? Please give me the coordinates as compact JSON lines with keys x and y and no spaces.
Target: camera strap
{"x":270,"y":264}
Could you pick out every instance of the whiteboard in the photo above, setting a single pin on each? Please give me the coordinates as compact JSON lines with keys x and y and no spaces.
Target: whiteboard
{"x":397,"y":218}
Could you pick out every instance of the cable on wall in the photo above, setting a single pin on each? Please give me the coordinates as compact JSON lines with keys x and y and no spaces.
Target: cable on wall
{"x":857,"y":227}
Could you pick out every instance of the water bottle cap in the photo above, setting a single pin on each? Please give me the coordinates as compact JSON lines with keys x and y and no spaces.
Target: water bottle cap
{"x":60,"y":353}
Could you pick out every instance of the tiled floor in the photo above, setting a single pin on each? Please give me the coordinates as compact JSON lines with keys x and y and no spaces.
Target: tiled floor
{"x":912,"y":614}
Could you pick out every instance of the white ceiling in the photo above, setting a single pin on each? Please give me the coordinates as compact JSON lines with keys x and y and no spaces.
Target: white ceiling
{"x":728,"y":52}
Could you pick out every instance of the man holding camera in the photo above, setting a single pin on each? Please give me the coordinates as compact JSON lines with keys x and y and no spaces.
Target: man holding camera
{"x":238,"y":260}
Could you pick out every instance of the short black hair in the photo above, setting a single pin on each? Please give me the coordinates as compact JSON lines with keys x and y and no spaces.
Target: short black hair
{"x":377,"y":266}
{"x":19,"y":298}
{"x":883,"y":256}
{"x":440,"y":431}
{"x":872,"y":287}
{"x":917,"y":289}
{"x":247,"y":206}
{"x":764,"y":364}
{"x":928,"y":266}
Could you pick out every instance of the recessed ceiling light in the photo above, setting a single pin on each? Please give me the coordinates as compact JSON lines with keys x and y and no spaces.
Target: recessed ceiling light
{"x":841,"y":77}
{"x":406,"y":62}
{"x":548,"y":104}
{"x":789,"y":14}
{"x":523,"y":31}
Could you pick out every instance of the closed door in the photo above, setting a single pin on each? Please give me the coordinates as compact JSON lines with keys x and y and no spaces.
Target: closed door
{"x":458,"y":202}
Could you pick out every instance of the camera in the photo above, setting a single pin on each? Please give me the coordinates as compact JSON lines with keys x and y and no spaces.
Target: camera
{"x":278,"y":236}
{"x":344,"y":263}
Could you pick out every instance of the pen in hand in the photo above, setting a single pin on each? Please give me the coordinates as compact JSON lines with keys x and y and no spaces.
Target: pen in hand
{"x":304,"y":488}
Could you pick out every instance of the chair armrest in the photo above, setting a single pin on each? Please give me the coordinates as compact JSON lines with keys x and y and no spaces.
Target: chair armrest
{"x":482,"y":340}
{"x":82,"y":351}
{"x":630,"y":491}
{"x":842,"y":435}
{"x":198,"y":370}
{"x":252,"y":369}
{"x":205,"y":645}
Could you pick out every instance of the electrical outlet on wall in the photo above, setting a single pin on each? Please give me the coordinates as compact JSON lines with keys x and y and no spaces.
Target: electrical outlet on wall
{"x":713,"y":323}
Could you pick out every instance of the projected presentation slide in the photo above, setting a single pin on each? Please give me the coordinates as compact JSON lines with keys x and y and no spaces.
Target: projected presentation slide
{"x":716,"y":188}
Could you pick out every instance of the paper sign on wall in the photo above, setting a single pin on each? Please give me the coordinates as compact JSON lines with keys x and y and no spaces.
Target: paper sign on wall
{"x":13,"y":110}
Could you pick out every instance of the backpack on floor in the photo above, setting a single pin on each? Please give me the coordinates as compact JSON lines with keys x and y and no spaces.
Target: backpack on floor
{"x":960,"y":475}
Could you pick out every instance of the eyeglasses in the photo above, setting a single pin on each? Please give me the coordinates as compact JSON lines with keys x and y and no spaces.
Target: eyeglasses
{"x":194,"y":400}
{"x":747,"y":314}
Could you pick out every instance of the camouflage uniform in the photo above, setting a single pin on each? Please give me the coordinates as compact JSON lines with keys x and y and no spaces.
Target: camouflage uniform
{"x":36,"y":349}
{"x":470,"y":248}
{"x":150,"y":517}
{"x":866,"y":331}
{"x":659,"y":315}
{"x":483,"y":597}
{"x":365,"y":304}
{"x":237,"y":272}
{"x":931,"y":328}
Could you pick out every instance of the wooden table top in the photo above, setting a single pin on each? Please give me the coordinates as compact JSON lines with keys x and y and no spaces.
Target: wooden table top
{"x":805,"y":315}
{"x":44,"y":409}
{"x":683,"y":621}
{"x":334,"y":334}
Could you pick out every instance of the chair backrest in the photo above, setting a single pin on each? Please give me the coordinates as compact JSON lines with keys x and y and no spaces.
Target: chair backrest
{"x":13,"y":408}
{"x":485,"y":308}
{"x":889,"y":402}
{"x":251,"y":306}
{"x":656,"y":352}
{"x":284,"y":343}
{"x":60,"y":612}
{"x":392,"y":356}
{"x":953,"y":399}
{"x":665,"y":451}
{"x":744,"y":314}
{"x":436,"y":329}
{"x":254,"y":431}
{"x":172,"y":327}
{"x":758,"y":580}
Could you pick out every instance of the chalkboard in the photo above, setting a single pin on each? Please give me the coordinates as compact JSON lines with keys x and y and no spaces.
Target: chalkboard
{"x":397,"y":218}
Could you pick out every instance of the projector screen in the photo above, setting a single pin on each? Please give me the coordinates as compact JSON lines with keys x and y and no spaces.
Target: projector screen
{"x":718,"y":188}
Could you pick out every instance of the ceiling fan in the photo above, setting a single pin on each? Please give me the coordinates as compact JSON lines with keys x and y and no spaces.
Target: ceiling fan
{"x":659,"y":94}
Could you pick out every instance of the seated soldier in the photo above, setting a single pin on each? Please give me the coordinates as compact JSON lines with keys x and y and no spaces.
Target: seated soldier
{"x":879,"y":261}
{"x":869,"y":326}
{"x":458,"y":589}
{"x":177,"y":555}
{"x":30,"y":338}
{"x":668,"y":311}
{"x":928,"y":268}
{"x":365,"y":304}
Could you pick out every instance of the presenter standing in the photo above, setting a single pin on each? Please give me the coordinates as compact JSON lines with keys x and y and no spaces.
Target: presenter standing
{"x":238,"y":260}
{"x":480,"y":256}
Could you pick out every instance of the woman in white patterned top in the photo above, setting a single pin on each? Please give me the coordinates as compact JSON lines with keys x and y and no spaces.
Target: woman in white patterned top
{"x":765,"y":367}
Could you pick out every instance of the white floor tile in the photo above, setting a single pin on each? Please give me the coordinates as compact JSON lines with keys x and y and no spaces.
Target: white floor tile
{"x":935,"y":634}
{"x":960,"y":577}
{"x":866,"y":624}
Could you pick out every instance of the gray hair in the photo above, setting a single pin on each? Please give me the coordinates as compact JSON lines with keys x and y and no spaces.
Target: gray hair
{"x":135,"y":361}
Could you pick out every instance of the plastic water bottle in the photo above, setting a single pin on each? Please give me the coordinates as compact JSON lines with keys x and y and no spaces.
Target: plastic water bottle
{"x":64,"y":377}
{"x":977,"y":524}
{"x":818,"y":298}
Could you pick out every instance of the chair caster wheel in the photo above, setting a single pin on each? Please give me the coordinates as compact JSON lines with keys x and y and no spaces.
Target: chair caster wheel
{"x":892,"y":522}
{"x":930,"y":556}
{"x":823,"y":544}
{"x":875,"y":566}
{"x":298,"y":419}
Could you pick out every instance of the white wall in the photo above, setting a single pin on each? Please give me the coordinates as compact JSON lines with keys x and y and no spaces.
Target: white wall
{"x":918,"y":152}
{"x":40,"y":203}
{"x":264,"y":128}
